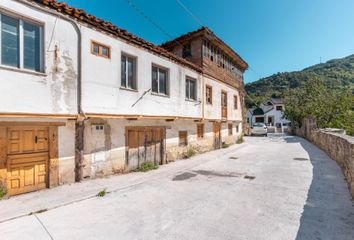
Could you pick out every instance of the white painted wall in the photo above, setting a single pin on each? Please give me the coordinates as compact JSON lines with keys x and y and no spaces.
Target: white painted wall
{"x":101,"y":82}
{"x":214,"y":111}
{"x":51,"y":92}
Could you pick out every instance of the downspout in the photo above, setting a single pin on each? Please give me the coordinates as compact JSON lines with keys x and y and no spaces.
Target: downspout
{"x":79,"y":125}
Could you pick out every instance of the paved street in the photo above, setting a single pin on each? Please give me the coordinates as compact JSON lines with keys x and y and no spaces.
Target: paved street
{"x":267,"y":188}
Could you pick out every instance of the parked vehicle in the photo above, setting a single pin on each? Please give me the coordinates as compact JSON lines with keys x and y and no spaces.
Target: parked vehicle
{"x":259,"y":129}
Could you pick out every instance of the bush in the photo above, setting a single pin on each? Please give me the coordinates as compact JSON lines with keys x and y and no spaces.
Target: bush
{"x":102,"y":193}
{"x":2,"y":192}
{"x":225,"y":145}
{"x":190,"y":152}
{"x":147,"y":166}
{"x":240,"y":140}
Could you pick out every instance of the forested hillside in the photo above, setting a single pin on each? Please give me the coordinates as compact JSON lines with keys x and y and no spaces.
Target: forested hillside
{"x":336,"y":74}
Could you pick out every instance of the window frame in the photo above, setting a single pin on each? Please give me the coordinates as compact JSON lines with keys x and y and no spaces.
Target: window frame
{"x":100,"y":46}
{"x":279,"y":106}
{"x":190,"y":79}
{"x":135,"y":71}
{"x":21,"y":58}
{"x":230,"y":129}
{"x":202,"y":125}
{"x":167,"y":84}
{"x":211,"y":94}
{"x":182,"y":134}
{"x":235,"y":102}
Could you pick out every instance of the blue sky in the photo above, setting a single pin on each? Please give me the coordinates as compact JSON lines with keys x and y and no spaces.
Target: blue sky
{"x":271,"y":35}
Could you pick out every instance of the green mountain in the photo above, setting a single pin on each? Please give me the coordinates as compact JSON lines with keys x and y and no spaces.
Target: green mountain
{"x":336,"y":73}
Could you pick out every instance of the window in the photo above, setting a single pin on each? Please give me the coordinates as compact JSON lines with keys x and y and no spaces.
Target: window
{"x":128,"y":72}
{"x":230,"y":129}
{"x":97,"y":129}
{"x":279,"y":108}
{"x":235,"y":102}
{"x":200,"y":130}
{"x":100,"y":50}
{"x":191,"y":89}
{"x":159,"y":80}
{"x":183,"y":141}
{"x":237,"y":127}
{"x":208,"y":94}
{"x":186,"y":52}
{"x":27,"y":55}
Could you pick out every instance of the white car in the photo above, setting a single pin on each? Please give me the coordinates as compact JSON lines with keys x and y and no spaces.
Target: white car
{"x":259,"y":129}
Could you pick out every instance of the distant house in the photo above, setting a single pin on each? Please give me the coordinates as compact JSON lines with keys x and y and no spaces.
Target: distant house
{"x":270,"y":113}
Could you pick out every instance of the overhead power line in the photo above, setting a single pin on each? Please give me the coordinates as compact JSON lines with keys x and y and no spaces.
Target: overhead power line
{"x":190,"y":13}
{"x":152,"y":22}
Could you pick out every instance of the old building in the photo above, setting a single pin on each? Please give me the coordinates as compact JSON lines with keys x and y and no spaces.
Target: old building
{"x":82,"y":98}
{"x":270,"y":113}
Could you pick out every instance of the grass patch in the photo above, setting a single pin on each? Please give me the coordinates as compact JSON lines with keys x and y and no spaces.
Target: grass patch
{"x":2,"y":192}
{"x":146,"y":166}
{"x":38,"y":212}
{"x":240,"y":139}
{"x":225,"y":145}
{"x":101,"y":193}
{"x":190,"y":152}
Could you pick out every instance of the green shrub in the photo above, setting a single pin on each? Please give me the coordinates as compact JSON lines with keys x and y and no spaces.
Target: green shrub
{"x":240,"y":140}
{"x":102,"y":193}
{"x":225,"y":145}
{"x":2,"y":192}
{"x":190,"y":152}
{"x":147,"y":166}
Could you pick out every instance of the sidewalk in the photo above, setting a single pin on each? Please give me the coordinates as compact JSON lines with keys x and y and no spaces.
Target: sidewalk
{"x":22,"y":205}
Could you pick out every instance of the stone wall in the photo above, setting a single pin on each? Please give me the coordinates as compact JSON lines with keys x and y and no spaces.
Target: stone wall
{"x":338,"y":145}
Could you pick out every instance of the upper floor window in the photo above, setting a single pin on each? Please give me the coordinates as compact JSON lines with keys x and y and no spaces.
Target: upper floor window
{"x":279,"y":108}
{"x":128,"y":72}
{"x":28,"y":54}
{"x":159,"y":80}
{"x":235,"y":102}
{"x":209,"y":94}
{"x":187,"y":51}
{"x":100,"y":50}
{"x":191,"y":89}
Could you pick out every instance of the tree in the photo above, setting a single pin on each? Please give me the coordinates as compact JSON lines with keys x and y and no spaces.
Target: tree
{"x":333,"y":108}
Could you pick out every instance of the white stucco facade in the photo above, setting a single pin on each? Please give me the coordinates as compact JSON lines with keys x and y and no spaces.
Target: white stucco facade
{"x":57,"y":94}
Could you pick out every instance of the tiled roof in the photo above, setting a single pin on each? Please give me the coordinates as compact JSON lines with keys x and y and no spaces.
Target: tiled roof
{"x":110,"y":28}
{"x":203,"y":30}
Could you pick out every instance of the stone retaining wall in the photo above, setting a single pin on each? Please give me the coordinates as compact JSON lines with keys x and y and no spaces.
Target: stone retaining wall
{"x":335,"y":143}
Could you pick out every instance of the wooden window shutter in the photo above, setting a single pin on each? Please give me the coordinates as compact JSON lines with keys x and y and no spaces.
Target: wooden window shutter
{"x":200,"y":130}
{"x":183,"y":141}
{"x":230,"y":129}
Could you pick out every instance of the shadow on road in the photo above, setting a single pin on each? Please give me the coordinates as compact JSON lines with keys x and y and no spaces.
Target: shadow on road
{"x":329,"y":209}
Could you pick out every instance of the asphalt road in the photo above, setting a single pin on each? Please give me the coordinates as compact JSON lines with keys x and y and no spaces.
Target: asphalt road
{"x":266,"y":188}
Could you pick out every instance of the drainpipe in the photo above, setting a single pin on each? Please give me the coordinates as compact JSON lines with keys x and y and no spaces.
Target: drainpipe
{"x":80,"y":123}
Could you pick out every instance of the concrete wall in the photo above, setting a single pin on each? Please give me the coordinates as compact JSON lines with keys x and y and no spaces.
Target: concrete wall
{"x":335,"y":143}
{"x":52,"y":91}
{"x":104,"y":152}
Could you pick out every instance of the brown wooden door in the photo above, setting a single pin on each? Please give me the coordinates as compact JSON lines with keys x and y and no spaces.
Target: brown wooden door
{"x":27,"y":159}
{"x":145,"y":144}
{"x":217,"y":135}
{"x":223,"y":104}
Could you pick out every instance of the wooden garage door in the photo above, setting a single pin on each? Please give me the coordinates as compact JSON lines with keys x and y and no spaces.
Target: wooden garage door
{"x":145,"y":144}
{"x":27,"y":159}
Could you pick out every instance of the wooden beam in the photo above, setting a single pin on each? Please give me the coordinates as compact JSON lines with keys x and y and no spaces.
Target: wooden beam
{"x":15,"y":123}
{"x":53,"y":157}
{"x":37,"y":115}
{"x":79,"y":150}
